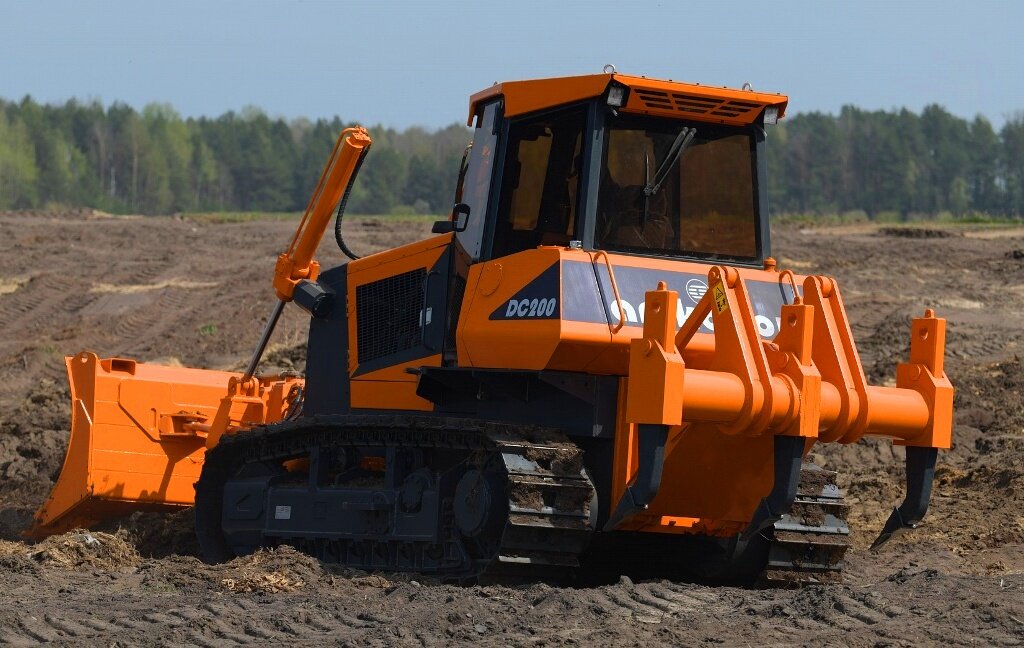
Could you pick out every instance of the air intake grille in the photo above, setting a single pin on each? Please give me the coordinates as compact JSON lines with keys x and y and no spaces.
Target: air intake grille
{"x":697,"y":105}
{"x":388,"y":315}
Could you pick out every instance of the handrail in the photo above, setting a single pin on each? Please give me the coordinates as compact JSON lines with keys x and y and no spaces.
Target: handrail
{"x":792,"y":282}
{"x":615,"y":290}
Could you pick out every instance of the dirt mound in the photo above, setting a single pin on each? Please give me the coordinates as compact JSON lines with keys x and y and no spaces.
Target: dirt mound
{"x":271,"y":571}
{"x":78,"y":550}
{"x":916,"y":232}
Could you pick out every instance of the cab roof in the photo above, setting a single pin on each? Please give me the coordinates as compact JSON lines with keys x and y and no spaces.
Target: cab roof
{"x":645,"y":96}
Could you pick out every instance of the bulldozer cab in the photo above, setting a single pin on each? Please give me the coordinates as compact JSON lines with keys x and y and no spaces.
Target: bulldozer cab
{"x":625,"y":167}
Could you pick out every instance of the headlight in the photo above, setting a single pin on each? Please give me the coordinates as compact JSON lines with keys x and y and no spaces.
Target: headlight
{"x":616,"y":95}
{"x":771,"y":115}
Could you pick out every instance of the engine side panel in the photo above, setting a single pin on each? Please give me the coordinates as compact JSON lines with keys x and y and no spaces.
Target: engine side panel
{"x":389,"y":315}
{"x":555,"y":308}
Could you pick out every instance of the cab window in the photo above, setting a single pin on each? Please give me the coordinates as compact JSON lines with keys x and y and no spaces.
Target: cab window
{"x":540,"y":194}
{"x":477,"y":182}
{"x":701,"y":202}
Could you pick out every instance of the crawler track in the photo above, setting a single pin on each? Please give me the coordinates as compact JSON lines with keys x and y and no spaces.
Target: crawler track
{"x":808,"y":544}
{"x":474,"y":500}
{"x":458,"y":498}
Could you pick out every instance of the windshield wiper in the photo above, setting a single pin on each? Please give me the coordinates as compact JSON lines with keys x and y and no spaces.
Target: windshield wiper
{"x":652,"y":186}
{"x":680,"y":143}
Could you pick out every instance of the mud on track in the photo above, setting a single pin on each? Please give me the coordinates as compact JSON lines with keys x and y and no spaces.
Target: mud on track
{"x":198,"y":291}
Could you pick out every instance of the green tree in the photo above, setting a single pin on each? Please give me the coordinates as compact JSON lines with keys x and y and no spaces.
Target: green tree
{"x":423,"y":184}
{"x":1012,"y":164}
{"x":382,"y":176}
{"x":18,"y":172}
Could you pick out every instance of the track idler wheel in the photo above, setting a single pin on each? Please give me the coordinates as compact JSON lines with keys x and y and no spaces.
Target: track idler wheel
{"x":480,"y":508}
{"x":473,"y":502}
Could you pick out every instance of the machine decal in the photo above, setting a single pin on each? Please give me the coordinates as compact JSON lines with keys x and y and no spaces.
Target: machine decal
{"x":533,"y":308}
{"x":588,"y":295}
{"x":536,"y":300}
{"x":721,"y":303}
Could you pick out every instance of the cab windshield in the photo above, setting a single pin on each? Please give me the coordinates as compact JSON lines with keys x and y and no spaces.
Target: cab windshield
{"x":668,"y":192}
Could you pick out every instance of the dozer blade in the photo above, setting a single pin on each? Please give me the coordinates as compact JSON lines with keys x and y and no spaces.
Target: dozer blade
{"x":137,"y":440}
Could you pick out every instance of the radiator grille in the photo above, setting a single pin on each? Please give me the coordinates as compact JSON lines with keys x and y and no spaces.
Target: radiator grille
{"x":698,"y":105}
{"x":388,"y":315}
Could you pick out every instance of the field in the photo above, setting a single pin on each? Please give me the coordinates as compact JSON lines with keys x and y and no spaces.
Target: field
{"x":196,"y":291}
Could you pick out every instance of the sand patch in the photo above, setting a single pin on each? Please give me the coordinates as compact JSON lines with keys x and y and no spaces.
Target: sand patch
{"x":10,"y":284}
{"x":996,"y":233}
{"x":794,"y":264}
{"x":129,"y":289}
{"x":959,"y":302}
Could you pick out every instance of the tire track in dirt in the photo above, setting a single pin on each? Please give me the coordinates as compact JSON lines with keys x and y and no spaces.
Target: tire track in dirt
{"x":142,"y":325}
{"x":35,"y":301}
{"x":664,"y":612}
{"x":29,"y":313}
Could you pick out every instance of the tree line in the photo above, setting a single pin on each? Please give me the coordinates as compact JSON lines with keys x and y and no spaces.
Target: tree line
{"x":896,"y":163}
{"x":154,"y":161}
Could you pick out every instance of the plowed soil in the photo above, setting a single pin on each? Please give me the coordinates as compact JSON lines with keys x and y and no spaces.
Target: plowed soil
{"x":196,"y":291}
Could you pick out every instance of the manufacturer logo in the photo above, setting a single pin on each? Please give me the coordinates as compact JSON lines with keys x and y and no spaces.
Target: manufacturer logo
{"x":695,"y":289}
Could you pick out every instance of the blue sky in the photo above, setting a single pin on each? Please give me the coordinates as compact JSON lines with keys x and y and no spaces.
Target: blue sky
{"x":415,"y":63}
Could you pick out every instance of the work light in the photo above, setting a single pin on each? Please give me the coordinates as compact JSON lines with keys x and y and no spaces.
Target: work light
{"x":616,"y":95}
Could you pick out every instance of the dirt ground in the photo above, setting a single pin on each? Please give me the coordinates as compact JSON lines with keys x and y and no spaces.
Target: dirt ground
{"x":197,"y":291}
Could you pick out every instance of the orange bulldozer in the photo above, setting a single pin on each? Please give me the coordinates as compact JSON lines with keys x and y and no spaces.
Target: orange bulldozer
{"x":593,"y":360}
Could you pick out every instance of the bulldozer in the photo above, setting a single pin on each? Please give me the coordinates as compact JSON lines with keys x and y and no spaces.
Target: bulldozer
{"x":593,"y":359}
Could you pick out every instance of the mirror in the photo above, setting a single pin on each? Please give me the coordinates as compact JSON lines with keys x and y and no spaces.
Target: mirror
{"x":457,"y":223}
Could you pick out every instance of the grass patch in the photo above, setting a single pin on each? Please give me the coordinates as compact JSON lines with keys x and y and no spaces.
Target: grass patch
{"x":217,"y":218}
{"x":944,"y":219}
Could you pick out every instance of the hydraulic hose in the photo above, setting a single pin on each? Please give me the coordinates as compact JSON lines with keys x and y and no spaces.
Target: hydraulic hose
{"x":341,"y":208}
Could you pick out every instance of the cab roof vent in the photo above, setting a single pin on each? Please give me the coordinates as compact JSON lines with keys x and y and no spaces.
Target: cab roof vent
{"x":654,"y":99}
{"x":695,"y":104}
